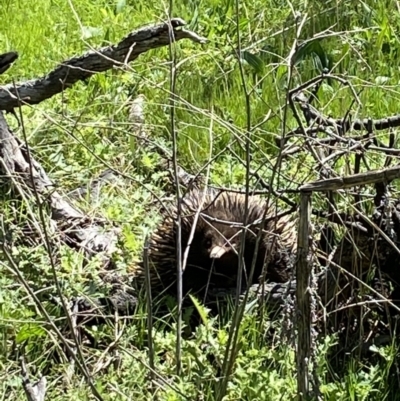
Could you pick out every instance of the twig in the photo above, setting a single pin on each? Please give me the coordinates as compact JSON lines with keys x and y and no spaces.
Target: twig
{"x":149,"y":309}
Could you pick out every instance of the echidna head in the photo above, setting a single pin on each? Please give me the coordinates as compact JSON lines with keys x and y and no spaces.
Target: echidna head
{"x":221,"y":242}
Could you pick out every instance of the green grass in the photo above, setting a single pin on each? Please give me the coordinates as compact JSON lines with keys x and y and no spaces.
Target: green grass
{"x":210,"y":119}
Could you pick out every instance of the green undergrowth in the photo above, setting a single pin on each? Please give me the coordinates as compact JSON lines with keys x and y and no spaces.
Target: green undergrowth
{"x":82,"y":132}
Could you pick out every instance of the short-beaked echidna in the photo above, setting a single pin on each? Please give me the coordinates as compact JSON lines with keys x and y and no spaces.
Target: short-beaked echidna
{"x":213,"y":254}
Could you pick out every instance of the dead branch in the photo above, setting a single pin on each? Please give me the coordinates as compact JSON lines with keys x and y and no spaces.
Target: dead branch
{"x":81,"y":68}
{"x":6,"y":60}
{"x":357,"y":125}
{"x":370,"y":177}
{"x":77,"y":229}
{"x":342,"y":124}
{"x":34,"y":391}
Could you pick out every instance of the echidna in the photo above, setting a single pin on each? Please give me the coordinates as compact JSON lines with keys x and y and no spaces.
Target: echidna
{"x":213,"y":254}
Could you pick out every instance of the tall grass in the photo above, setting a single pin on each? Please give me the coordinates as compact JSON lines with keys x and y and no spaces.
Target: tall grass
{"x":209,"y":88}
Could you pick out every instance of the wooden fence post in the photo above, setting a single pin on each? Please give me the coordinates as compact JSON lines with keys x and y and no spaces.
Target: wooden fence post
{"x":303,"y":298}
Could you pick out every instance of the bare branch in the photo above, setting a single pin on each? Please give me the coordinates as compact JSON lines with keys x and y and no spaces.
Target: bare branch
{"x":370,"y":177}
{"x":81,"y":68}
{"x":6,"y":60}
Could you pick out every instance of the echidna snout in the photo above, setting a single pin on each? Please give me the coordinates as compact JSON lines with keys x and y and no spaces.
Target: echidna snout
{"x":217,"y":244}
{"x":217,"y":251}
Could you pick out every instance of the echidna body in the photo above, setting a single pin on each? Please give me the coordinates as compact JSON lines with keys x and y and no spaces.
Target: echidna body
{"x":212,"y":260}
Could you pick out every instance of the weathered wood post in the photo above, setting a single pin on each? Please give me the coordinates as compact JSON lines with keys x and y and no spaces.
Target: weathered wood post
{"x":303,"y":298}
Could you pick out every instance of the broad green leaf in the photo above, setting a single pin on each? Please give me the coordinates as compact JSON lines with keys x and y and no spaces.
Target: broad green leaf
{"x":29,"y":331}
{"x":106,"y":40}
{"x":254,"y":61}
{"x":281,"y":71}
{"x":200,"y":309}
{"x":312,"y":49}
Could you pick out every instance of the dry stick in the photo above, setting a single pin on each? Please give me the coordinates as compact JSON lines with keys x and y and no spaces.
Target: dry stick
{"x":99,"y":363}
{"x":149,"y":309}
{"x":73,"y":318}
{"x":88,"y":234}
{"x":311,"y":148}
{"x":343,"y":124}
{"x":231,"y":347}
{"x":269,"y":190}
{"x":303,"y":270}
{"x":179,"y":272}
{"x":290,"y":62}
{"x":388,"y":151}
{"x":303,"y":297}
{"x":201,"y":203}
{"x":306,"y":107}
{"x":136,"y":115}
{"x":83,"y":67}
